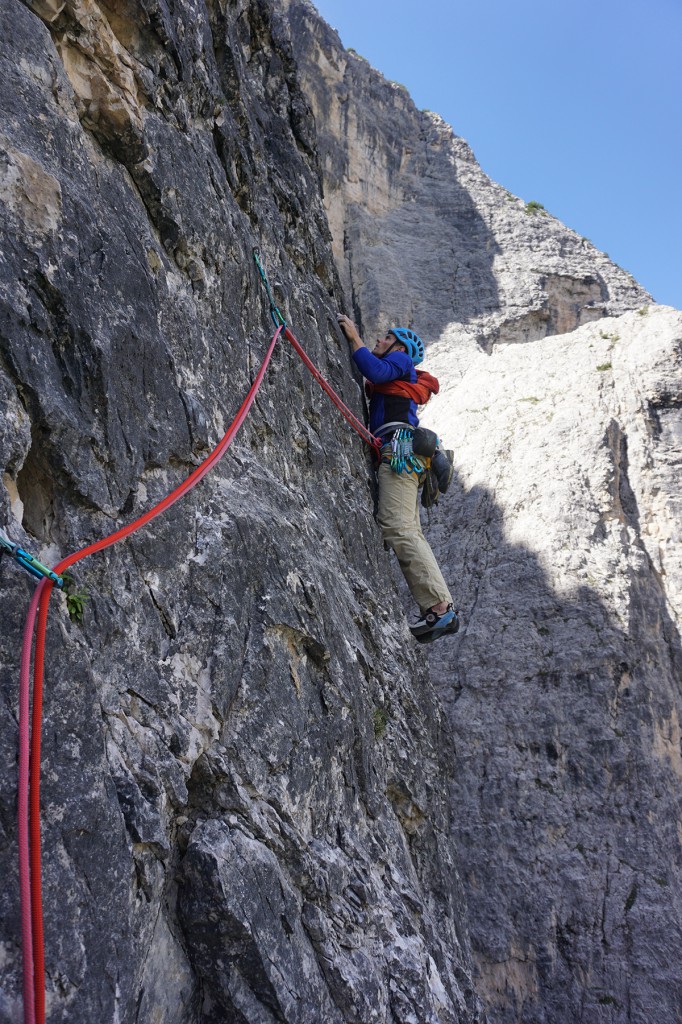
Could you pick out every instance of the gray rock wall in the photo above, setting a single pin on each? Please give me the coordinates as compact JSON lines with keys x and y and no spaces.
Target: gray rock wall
{"x":563,"y":690}
{"x":561,"y":540}
{"x":244,"y":815}
{"x":421,"y":235}
{"x":255,"y":806}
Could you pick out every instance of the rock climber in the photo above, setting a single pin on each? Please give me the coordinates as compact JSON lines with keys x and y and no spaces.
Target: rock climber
{"x":394,"y":394}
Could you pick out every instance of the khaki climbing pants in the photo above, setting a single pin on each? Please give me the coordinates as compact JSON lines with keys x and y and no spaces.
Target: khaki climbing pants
{"x":398,"y":519}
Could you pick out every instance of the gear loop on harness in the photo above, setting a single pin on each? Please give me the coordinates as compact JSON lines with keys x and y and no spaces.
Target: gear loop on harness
{"x":403,"y":459}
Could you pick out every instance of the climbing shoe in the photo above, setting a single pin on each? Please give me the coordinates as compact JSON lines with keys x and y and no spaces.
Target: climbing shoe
{"x":443,"y":465}
{"x":432,"y":626}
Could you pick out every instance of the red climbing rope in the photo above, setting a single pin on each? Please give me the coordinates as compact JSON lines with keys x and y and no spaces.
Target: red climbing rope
{"x":349,"y":416}
{"x":358,"y":427}
{"x":29,"y":765}
{"x":23,"y":810}
{"x":30,"y":740}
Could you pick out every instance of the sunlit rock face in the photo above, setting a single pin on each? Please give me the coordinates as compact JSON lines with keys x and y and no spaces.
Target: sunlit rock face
{"x":563,"y":544}
{"x":421,"y":235}
{"x":561,"y":538}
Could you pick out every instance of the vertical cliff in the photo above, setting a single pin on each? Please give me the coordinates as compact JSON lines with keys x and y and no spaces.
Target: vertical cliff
{"x":260,"y":802}
{"x":564,"y":689}
{"x":421,"y":234}
{"x":244,"y":810}
{"x":561,"y":539}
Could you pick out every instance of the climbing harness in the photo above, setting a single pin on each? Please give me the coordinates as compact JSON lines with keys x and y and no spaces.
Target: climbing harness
{"x":410,"y":448}
{"x":30,"y":721}
{"x":27,"y":561}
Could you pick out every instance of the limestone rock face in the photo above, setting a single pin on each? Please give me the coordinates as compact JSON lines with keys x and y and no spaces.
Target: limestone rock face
{"x":244,"y":816}
{"x":422,"y":236}
{"x":255,"y":807}
{"x":563,"y":539}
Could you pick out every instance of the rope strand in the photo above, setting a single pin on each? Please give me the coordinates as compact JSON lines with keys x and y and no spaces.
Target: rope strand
{"x":30,"y":738}
{"x":29,"y":764}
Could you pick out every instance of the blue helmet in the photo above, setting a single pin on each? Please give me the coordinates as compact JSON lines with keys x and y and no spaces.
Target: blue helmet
{"x":411,"y":341}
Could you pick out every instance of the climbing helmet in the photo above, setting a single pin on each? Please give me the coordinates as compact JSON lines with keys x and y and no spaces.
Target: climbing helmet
{"x":411,"y":341}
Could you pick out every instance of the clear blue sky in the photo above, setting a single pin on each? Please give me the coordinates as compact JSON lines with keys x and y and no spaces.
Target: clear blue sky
{"x":577,"y":105}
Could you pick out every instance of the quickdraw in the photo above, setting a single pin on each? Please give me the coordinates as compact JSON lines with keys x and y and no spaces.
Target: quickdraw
{"x":350,"y":417}
{"x":403,"y":459}
{"x":277,"y":317}
{"x":28,"y":562}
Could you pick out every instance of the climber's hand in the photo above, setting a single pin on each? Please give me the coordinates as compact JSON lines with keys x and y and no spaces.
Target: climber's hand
{"x":349,"y":329}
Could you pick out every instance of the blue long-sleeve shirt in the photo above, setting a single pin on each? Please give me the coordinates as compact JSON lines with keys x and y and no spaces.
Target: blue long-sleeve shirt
{"x":388,"y":408}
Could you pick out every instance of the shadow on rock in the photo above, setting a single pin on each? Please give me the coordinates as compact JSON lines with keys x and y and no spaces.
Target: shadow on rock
{"x":567,"y":805}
